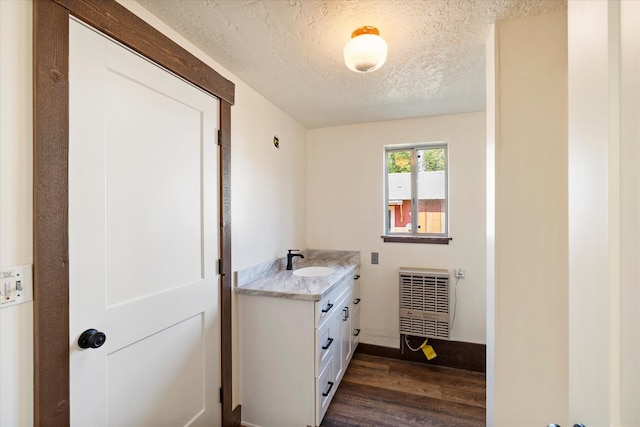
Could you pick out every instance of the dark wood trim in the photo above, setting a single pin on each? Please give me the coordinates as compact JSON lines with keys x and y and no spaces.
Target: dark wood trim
{"x":228,"y":419}
{"x":117,"y":22}
{"x":237,"y":416}
{"x":50,"y":139}
{"x":50,"y":239}
{"x":417,"y":239}
{"x":452,"y":354}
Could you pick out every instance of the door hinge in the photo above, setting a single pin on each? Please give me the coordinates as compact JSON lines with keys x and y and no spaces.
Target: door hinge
{"x":220,"y":394}
{"x":219,"y":136}
{"x":220,"y":266}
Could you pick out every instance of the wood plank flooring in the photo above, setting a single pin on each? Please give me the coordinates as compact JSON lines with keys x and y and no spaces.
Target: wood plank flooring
{"x":383,"y":392}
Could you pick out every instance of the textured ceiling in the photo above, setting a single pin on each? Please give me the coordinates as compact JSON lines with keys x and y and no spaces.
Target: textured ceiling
{"x":290,"y":51}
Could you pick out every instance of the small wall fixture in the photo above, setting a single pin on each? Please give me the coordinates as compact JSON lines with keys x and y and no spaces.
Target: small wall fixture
{"x":366,"y":51}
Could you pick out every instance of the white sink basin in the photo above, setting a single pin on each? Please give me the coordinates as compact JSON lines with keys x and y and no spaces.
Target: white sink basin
{"x":314,"y":271}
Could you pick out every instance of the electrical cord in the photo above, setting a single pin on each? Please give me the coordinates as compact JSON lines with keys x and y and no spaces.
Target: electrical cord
{"x":455,"y":303}
{"x":406,"y":341}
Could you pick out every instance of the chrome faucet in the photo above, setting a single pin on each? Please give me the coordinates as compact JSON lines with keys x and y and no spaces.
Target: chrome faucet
{"x":290,"y":258}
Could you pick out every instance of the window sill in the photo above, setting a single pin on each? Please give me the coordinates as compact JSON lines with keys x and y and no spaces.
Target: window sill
{"x":416,"y":239}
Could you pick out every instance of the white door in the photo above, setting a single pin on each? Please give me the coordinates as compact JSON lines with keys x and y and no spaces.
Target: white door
{"x":143,"y":241}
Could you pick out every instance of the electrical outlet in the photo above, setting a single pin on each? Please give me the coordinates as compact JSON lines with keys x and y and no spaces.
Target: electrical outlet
{"x":460,"y":272}
{"x":374,"y":257}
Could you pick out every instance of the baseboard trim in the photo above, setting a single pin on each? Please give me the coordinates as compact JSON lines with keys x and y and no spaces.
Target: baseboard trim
{"x":237,"y":416}
{"x":453,"y":354}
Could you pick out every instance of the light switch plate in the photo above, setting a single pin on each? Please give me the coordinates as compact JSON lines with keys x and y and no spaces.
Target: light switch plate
{"x":16,"y":285}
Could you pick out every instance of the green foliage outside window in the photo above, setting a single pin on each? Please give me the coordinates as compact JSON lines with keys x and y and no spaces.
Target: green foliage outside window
{"x":399,"y":161}
{"x":431,"y":160}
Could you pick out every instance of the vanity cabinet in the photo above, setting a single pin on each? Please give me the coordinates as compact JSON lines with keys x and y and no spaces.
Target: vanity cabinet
{"x":355,"y":311}
{"x":294,"y":354}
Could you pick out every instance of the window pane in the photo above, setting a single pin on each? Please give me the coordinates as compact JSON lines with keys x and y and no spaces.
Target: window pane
{"x":431,"y":190}
{"x":399,"y":192}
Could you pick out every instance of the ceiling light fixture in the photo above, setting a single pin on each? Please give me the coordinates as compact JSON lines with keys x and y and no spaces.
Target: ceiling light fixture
{"x":366,"y":51}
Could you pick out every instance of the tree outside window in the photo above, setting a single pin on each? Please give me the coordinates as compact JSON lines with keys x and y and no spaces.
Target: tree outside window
{"x":416,"y":190}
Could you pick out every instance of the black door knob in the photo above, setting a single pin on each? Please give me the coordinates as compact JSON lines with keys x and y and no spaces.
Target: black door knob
{"x":91,"y":338}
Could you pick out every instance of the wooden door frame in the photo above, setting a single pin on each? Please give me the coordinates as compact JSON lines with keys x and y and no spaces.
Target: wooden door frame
{"x":50,"y":193}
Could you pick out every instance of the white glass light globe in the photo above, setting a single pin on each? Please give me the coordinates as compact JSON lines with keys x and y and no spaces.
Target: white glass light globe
{"x":365,"y":53}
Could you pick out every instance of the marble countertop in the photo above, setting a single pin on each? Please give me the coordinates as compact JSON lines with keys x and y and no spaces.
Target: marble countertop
{"x":272,"y":279}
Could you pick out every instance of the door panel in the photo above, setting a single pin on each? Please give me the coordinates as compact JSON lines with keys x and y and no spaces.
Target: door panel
{"x":154,"y":218}
{"x":160,"y":311}
{"x":143,"y":241}
{"x":173,"y":395}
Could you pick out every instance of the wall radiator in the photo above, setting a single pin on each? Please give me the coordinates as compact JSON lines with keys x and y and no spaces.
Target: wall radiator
{"x":424,"y":302}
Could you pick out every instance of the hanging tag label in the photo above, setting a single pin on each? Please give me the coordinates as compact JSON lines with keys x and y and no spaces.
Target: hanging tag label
{"x":428,"y":351}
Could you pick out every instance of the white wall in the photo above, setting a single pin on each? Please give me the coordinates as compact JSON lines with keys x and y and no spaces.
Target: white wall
{"x":629,"y":319}
{"x":345,"y":210}
{"x":490,"y":55}
{"x":268,"y":192}
{"x":590,"y":159}
{"x":604,"y":186}
{"x":16,"y":323}
{"x":530,"y":347}
{"x":268,"y":185}
{"x":572,"y":349}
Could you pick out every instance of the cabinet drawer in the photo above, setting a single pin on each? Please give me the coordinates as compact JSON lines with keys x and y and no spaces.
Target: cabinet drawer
{"x":325,"y":389}
{"x":327,"y":305}
{"x":327,"y":340}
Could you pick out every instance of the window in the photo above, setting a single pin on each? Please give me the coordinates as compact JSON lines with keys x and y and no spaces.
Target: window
{"x":416,"y":193}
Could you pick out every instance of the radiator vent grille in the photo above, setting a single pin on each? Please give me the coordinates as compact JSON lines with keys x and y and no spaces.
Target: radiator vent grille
{"x":424,"y":302}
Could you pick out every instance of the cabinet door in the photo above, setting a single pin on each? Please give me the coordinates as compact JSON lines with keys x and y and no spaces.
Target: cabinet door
{"x":355,"y":314}
{"x":336,"y":325}
{"x":326,"y":386}
{"x":327,"y":340}
{"x":345,"y":334}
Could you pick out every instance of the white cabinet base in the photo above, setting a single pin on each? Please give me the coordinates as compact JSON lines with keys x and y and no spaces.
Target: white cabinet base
{"x":277,"y":354}
{"x":287,"y":378}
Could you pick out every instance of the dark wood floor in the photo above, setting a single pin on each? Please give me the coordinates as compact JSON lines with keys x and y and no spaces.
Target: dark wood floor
{"x":378,"y":391}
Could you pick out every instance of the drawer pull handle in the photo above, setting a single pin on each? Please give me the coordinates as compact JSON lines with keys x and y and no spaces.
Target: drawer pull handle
{"x":326,"y":393}
{"x":356,"y":332}
{"x":356,"y":277}
{"x":357,"y":301}
{"x":327,"y":308}
{"x":328,"y":344}
{"x":346,"y":313}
